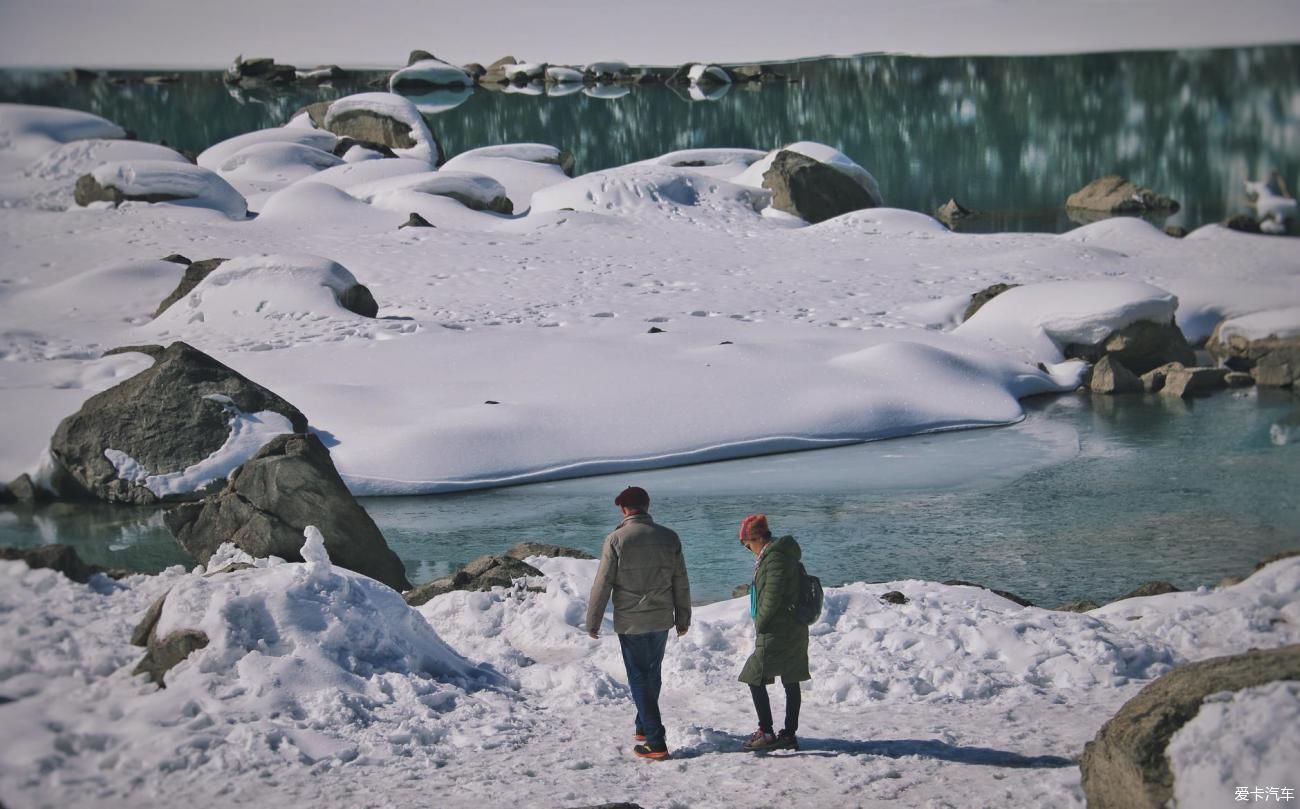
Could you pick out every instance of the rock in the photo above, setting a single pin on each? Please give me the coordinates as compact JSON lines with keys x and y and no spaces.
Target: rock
{"x":1277,"y":557}
{"x":1241,"y":353}
{"x":418,"y":55}
{"x":483,"y":573}
{"x":358,"y":300}
{"x":740,"y":590}
{"x":1177,"y":231}
{"x":89,"y":190}
{"x":474,"y":69}
{"x":1238,"y":379}
{"x":23,"y":490}
{"x":163,"y":418}
{"x":415,"y":221}
{"x":194,"y":274}
{"x":1151,"y":588}
{"x":269,"y":501}
{"x":252,"y":72}
{"x":1115,"y":194}
{"x":1187,"y":382}
{"x":60,"y":558}
{"x":151,"y":350}
{"x":1278,"y":369}
{"x":1008,"y":596}
{"x":1244,"y":223}
{"x":157,"y":181}
{"x":811,"y":190}
{"x":523,"y":550}
{"x":316,"y":112}
{"x":1126,"y":766}
{"x":80,"y":74}
{"x":894,"y":597}
{"x":372,"y":127}
{"x":1229,"y":581}
{"x":656,"y":330}
{"x":1078,"y":606}
{"x":982,"y":297}
{"x":1140,"y":347}
{"x":144,"y":630}
{"x":496,"y":73}
{"x":345,"y":144}
{"x":177,"y":258}
{"x":322,"y":74}
{"x":1154,"y":380}
{"x":1110,"y":376}
{"x":952,"y":211}
{"x":164,"y":653}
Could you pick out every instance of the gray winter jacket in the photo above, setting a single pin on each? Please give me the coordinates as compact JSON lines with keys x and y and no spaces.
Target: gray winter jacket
{"x":643,"y":567}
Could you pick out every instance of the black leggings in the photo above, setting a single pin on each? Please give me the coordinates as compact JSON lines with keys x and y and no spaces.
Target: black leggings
{"x":764,"y":706}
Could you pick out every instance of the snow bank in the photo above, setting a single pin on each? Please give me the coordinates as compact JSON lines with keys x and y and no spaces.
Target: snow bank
{"x":1037,"y":321}
{"x":29,"y":131}
{"x":214,"y":156}
{"x":193,"y":186}
{"x":639,"y":188}
{"x":263,"y":167}
{"x":1282,"y":323}
{"x":431,"y":71}
{"x":48,"y":182}
{"x":353,"y":174}
{"x":520,"y":178}
{"x":249,"y":432}
{"x":464,"y":186}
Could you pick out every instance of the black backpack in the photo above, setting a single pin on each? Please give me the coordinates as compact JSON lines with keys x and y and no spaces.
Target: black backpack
{"x":808,"y":603}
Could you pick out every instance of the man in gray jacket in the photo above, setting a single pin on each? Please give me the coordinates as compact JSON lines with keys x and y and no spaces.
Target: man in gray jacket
{"x":643,"y":567}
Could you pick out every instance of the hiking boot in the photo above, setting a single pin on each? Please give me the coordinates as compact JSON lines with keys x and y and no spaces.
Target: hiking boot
{"x":651,"y":751}
{"x":785,"y":740}
{"x":761,"y":740}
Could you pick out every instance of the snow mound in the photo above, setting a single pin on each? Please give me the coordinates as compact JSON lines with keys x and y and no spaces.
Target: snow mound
{"x":1039,"y":320}
{"x":316,"y":204}
{"x":214,"y":156}
{"x":353,"y":174}
{"x":393,"y":106}
{"x":533,"y":152}
{"x":194,"y":186}
{"x":519,"y":177}
{"x":753,"y":176}
{"x":563,"y":75}
{"x":474,"y":190}
{"x":263,"y":167}
{"x":712,"y":73}
{"x":725,"y":164}
{"x":29,"y":131}
{"x":48,"y":181}
{"x":1282,"y":323}
{"x":430,"y":71}
{"x":526,"y":70}
{"x":644,"y":188}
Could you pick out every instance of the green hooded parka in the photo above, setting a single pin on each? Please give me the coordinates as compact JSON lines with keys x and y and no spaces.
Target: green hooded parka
{"x":781,"y":648}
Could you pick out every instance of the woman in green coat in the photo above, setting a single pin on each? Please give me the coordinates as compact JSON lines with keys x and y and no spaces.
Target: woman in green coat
{"x":781,"y":647}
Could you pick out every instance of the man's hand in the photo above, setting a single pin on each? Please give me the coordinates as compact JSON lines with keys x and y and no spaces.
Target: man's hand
{"x":682,"y":631}
{"x":594,"y":634}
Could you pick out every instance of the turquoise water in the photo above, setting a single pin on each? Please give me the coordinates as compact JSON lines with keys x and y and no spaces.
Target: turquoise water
{"x":1011,"y":137}
{"x":1087,"y":498}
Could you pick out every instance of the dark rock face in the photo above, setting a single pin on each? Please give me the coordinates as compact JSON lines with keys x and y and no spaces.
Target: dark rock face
{"x":483,"y":573}
{"x":1151,"y":588}
{"x":161,"y":418}
{"x":151,"y":350}
{"x":268,"y":502}
{"x":1177,"y":231}
{"x":23,"y":490}
{"x":894,"y":597}
{"x":89,"y":190}
{"x":1110,"y":376}
{"x":1115,"y":194}
{"x":345,"y":144}
{"x":252,"y":72}
{"x":358,"y":300}
{"x":523,"y":550}
{"x":813,"y":191}
{"x":61,"y":558}
{"x":416,"y":221}
{"x":1244,"y":223}
{"x":164,"y":653}
{"x":371,"y":127}
{"x":1012,"y":597}
{"x":1126,"y":766}
{"x":194,"y":274}
{"x":982,"y":297}
{"x":1140,"y":347}
{"x":952,"y":211}
{"x":1078,"y":606}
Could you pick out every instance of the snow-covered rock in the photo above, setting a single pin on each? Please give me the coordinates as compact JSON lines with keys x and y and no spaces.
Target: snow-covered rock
{"x":386,"y":118}
{"x":160,"y":181}
{"x":429,"y":73}
{"x":474,"y":191}
{"x":215,"y":156}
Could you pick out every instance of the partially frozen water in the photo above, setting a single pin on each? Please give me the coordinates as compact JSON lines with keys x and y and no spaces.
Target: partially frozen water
{"x":1087,"y":498}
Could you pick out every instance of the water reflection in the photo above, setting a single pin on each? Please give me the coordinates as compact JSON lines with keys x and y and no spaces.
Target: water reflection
{"x":1009,"y":137}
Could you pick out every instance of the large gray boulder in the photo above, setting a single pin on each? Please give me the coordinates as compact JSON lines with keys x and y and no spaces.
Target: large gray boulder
{"x":195,"y":272}
{"x":1115,"y":194}
{"x":1126,"y":766}
{"x":523,"y":550}
{"x":1140,"y":347}
{"x":257,"y":71}
{"x":1273,"y":361}
{"x":978,"y":299}
{"x":1187,"y":382}
{"x":812,"y":190}
{"x":269,"y":501}
{"x":165,"y":418}
{"x":483,"y":573}
{"x":1110,"y":376}
{"x":61,"y":558}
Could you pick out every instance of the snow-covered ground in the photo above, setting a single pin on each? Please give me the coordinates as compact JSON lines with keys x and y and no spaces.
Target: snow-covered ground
{"x":320,"y":687}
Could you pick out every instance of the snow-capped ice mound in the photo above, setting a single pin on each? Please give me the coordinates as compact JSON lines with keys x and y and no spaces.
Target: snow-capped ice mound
{"x":1281,"y":323}
{"x":753,"y":176}
{"x":261,"y":300}
{"x":472,"y":190}
{"x":520,"y":177}
{"x":214,"y":156}
{"x":176,"y":183}
{"x":29,"y":131}
{"x":48,"y":181}
{"x":430,"y":71}
{"x":640,"y":188}
{"x":389,"y":105}
{"x":534,"y":152}
{"x":263,"y":167}
{"x":1120,"y":233}
{"x":1039,"y":320}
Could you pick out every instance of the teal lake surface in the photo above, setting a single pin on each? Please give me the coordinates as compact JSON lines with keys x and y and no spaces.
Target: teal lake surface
{"x":1088,"y":497}
{"x":1010,"y":137}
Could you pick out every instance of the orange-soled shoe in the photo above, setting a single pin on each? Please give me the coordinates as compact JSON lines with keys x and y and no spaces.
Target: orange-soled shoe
{"x":638,"y":736}
{"x":654,"y":752}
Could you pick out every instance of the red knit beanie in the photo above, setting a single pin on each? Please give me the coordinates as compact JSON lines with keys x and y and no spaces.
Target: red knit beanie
{"x":754,"y":527}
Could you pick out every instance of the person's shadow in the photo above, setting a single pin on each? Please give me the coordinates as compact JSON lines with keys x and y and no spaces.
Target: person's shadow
{"x":720,"y":742}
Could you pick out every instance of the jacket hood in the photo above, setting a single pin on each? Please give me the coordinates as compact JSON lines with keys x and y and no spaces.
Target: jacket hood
{"x":786,"y":546}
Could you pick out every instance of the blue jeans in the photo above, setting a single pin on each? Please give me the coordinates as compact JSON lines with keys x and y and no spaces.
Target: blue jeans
{"x":643,"y":656}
